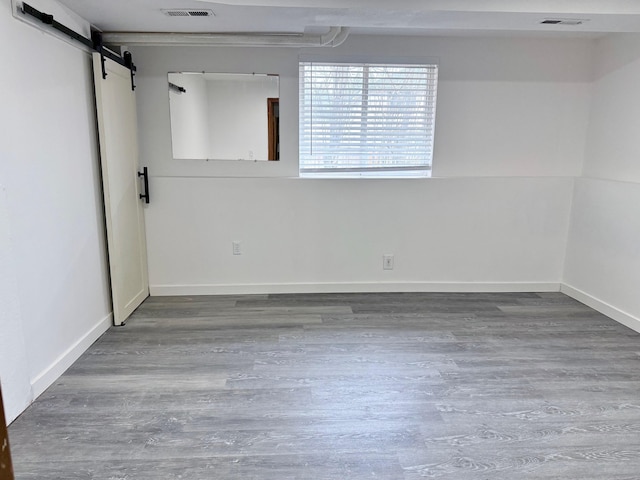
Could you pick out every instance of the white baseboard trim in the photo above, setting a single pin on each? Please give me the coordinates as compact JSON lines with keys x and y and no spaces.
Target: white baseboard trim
{"x":347,"y":287}
{"x":48,"y":376}
{"x":605,"y":308}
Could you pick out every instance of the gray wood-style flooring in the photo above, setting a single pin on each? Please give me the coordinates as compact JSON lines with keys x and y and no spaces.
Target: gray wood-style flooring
{"x":350,"y":386}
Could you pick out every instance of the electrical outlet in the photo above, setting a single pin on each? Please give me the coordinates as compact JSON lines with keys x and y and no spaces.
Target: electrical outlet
{"x":387,"y":262}
{"x":237,"y":247}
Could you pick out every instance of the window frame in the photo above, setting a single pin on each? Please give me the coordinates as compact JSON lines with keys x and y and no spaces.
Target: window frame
{"x":400,"y":171}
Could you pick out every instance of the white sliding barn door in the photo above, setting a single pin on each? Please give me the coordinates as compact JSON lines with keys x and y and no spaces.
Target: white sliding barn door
{"x":117,"y":127}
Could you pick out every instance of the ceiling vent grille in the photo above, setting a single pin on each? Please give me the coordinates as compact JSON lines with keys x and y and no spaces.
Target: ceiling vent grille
{"x":186,"y":12}
{"x":563,"y":21}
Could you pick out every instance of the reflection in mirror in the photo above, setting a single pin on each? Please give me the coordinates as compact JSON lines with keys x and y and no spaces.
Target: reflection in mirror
{"x":224,"y":116}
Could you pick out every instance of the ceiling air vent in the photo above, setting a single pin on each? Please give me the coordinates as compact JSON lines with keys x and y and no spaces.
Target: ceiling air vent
{"x":187,"y":12}
{"x":563,"y":21}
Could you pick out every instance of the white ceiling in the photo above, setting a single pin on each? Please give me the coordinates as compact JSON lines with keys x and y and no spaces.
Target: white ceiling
{"x":413,"y":17}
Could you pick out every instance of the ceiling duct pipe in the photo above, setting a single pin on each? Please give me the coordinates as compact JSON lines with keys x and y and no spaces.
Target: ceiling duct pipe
{"x":334,"y":37}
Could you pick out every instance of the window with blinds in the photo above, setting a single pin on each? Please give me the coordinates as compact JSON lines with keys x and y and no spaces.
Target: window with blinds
{"x":366,"y":119}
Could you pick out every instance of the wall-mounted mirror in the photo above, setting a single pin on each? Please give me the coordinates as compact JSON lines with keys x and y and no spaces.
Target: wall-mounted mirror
{"x":224,"y":116}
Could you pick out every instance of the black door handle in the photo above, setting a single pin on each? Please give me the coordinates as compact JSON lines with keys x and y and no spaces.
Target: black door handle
{"x":145,"y":175}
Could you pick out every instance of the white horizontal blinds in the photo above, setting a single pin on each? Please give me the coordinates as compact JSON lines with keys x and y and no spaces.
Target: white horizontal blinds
{"x":366,"y":119}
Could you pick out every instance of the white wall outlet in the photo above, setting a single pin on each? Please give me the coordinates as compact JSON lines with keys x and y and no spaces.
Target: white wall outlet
{"x":236,"y":247}
{"x":387,"y":262}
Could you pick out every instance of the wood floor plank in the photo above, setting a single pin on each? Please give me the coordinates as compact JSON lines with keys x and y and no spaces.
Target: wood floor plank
{"x":344,"y":386}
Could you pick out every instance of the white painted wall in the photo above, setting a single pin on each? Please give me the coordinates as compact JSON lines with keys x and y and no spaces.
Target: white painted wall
{"x":190,"y":117}
{"x":318,"y":235}
{"x":612,"y":142}
{"x":512,"y":110}
{"x":603,"y":250}
{"x":49,"y":173}
{"x":506,"y":106}
{"x":239,"y":123}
